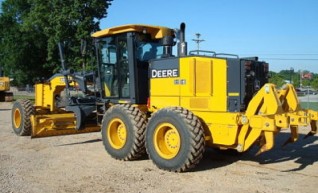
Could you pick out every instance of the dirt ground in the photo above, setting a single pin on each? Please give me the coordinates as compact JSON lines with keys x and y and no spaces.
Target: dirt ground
{"x":79,"y":163}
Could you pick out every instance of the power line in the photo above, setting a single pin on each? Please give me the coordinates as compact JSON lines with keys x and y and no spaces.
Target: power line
{"x":296,"y":59}
{"x":299,"y":54}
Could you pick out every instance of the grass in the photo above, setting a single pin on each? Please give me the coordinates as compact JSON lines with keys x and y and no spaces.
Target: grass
{"x":17,"y":97}
{"x":309,"y":105}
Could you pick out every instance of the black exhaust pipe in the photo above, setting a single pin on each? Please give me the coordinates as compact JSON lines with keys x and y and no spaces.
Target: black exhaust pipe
{"x":182,"y":45}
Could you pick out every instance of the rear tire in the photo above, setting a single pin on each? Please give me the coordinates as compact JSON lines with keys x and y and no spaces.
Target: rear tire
{"x":123,"y":132}
{"x":175,"y":139}
{"x":21,"y":112}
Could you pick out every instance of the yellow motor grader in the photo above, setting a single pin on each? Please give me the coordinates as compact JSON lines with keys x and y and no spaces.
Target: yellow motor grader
{"x":5,"y":95}
{"x":147,"y":100}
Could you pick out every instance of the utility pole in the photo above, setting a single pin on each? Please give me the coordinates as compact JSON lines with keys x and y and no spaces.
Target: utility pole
{"x":291,"y":71}
{"x":1,"y":70}
{"x":198,"y":41}
{"x":300,"y":79}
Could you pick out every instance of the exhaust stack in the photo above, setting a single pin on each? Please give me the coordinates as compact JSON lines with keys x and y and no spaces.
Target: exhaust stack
{"x":182,"y":45}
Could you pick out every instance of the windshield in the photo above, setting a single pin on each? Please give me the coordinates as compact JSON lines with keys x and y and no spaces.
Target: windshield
{"x":148,"y":48}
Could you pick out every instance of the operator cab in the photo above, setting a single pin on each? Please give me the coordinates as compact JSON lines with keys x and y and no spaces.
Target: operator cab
{"x":124,"y":53}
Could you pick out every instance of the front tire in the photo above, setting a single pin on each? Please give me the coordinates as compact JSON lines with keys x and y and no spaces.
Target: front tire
{"x":123,"y":132}
{"x":21,"y":112}
{"x":175,"y":139}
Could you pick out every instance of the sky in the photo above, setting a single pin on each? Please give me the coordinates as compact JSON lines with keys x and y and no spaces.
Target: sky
{"x":283,"y":33}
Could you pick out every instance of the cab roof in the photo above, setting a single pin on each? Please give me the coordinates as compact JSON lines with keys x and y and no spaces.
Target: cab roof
{"x":157,"y":32}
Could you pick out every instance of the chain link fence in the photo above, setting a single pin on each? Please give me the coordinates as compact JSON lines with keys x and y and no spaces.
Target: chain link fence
{"x":27,"y":91}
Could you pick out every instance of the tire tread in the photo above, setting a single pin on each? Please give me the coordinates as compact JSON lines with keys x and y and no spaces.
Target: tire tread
{"x":138,"y":119}
{"x":27,"y":110}
{"x":197,"y":141}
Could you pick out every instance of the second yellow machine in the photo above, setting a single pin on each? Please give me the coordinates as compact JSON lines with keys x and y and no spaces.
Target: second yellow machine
{"x":146,"y":100}
{"x":5,"y":94}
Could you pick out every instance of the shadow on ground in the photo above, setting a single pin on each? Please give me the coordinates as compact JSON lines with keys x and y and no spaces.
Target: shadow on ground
{"x":82,"y":142}
{"x":5,"y":109}
{"x":304,"y":152}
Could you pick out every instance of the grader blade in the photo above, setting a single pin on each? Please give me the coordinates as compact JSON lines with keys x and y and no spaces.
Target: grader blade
{"x":57,"y":124}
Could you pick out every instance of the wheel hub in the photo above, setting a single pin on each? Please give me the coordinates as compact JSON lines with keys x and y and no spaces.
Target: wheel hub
{"x":17,"y":119}
{"x":171,"y":139}
{"x":121,"y":132}
{"x":167,"y":141}
{"x":117,"y":133}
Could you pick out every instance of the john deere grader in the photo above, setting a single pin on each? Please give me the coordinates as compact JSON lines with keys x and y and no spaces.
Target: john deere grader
{"x":144,"y":99}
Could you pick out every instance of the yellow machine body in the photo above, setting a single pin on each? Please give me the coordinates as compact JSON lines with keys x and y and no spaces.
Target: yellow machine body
{"x":156,"y":32}
{"x":50,"y":120}
{"x":200,"y":85}
{"x":4,"y":84}
{"x":46,"y":92}
{"x":4,"y":88}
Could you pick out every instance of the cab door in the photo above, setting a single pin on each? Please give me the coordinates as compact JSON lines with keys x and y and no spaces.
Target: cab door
{"x":114,"y":67}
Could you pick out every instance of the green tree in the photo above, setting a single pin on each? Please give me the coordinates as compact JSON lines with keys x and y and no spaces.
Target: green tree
{"x":12,"y":38}
{"x":33,"y":28}
{"x":277,"y":79}
{"x":314,"y":83}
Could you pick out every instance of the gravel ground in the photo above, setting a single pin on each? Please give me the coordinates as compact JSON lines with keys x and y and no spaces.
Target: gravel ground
{"x":79,"y":163}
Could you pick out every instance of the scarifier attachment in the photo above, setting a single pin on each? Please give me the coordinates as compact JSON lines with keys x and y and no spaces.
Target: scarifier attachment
{"x":271,"y":110}
{"x":313,"y":123}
